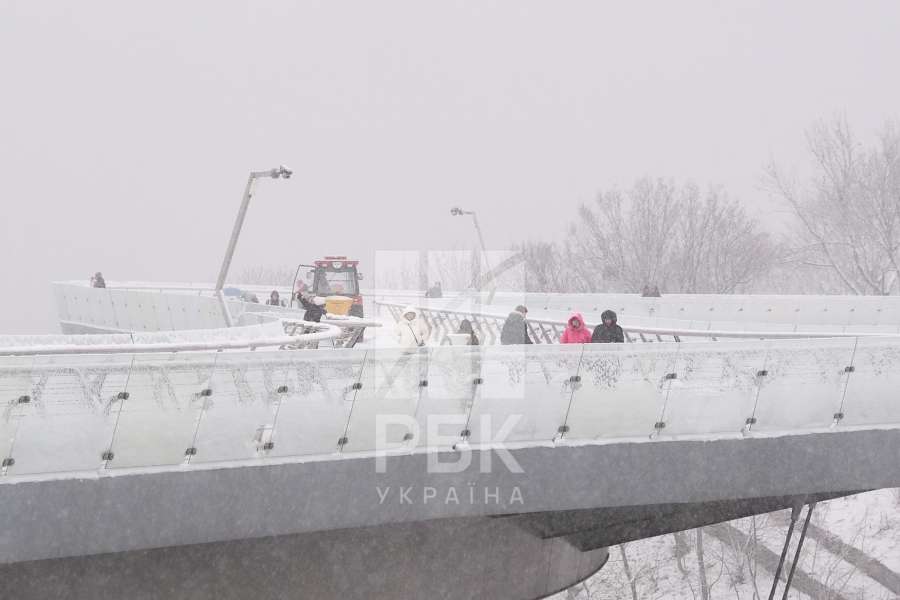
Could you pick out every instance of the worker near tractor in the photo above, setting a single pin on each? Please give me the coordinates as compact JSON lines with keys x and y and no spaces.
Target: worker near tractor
{"x":411,"y":330}
{"x":314,"y":305}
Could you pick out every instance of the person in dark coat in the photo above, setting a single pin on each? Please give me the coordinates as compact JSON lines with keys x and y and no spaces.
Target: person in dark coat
{"x":274,"y":299}
{"x":465,"y":326}
{"x":514,"y":330}
{"x":315,"y":308}
{"x":97,"y":280}
{"x":608,"y":331}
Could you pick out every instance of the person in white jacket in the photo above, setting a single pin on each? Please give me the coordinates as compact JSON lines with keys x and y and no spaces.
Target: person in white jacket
{"x":411,"y":331}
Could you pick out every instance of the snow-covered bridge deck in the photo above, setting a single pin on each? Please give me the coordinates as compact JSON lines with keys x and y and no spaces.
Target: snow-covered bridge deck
{"x":143,"y":410}
{"x":128,"y":450}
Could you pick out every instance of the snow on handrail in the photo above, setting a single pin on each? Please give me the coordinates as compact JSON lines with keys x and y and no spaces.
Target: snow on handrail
{"x":236,"y":338}
{"x":637,"y":329}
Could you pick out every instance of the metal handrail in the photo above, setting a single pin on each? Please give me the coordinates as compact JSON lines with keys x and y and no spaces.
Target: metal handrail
{"x":654,"y":331}
{"x":321,"y":331}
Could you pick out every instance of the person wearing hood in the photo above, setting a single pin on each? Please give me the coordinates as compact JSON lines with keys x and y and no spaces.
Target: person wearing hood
{"x":515,"y":330}
{"x":576,"y":331}
{"x":315,"y":308}
{"x":465,"y":326}
{"x":608,"y":331}
{"x":274,"y":299}
{"x":97,"y":280}
{"x":411,"y":331}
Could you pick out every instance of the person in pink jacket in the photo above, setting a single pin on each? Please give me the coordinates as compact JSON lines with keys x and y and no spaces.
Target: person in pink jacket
{"x":576,"y":331}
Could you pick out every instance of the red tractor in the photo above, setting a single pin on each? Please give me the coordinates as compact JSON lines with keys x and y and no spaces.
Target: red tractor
{"x":333,"y":276}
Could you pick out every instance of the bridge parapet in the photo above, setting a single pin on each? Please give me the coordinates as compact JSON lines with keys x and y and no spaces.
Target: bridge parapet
{"x":67,"y":416}
{"x":136,"y":306}
{"x":444,"y":318}
{"x":731,"y":312}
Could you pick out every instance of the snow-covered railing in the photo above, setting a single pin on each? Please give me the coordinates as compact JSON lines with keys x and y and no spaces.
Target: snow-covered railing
{"x":144,"y":306}
{"x":732,"y":312}
{"x":350,"y":328}
{"x":83,"y":309}
{"x":487,"y":322}
{"x":264,"y":335}
{"x":67,"y":415}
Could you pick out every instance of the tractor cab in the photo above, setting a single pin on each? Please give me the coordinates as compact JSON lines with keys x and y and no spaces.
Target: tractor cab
{"x":336,"y":276}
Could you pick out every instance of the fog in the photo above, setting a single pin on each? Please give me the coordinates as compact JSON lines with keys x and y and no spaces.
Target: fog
{"x":127,"y":130}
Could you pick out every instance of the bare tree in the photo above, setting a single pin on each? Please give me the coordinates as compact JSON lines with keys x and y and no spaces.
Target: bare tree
{"x":455,"y":269}
{"x":626,"y":237}
{"x":848,"y":213}
{"x":656,"y":233}
{"x":718,"y":249}
{"x":545,"y":267}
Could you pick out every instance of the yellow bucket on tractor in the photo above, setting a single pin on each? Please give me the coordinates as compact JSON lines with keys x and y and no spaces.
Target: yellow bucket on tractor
{"x":338,"y":305}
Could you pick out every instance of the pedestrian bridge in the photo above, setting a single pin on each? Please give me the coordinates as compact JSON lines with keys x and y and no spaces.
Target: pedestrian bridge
{"x":425,"y":465}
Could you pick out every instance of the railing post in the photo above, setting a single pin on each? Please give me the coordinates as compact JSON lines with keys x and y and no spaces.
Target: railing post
{"x":848,"y":370}
{"x":795,"y":513}
{"x":354,"y":388}
{"x":575,"y":384}
{"x":790,"y":579}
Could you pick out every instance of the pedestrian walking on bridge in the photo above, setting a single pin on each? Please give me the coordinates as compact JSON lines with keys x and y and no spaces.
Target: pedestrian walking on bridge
{"x":608,"y":331}
{"x":515,"y":330}
{"x":576,"y":331}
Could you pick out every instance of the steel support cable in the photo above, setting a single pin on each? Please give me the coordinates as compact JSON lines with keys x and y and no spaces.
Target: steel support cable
{"x":787,"y":586}
{"x":795,"y":513}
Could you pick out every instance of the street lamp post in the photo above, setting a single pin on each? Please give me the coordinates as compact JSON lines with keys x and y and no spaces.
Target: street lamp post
{"x":458,"y":212}
{"x":277,"y":173}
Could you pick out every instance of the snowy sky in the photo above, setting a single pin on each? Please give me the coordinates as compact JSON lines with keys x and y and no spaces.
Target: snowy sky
{"x":127,"y":129}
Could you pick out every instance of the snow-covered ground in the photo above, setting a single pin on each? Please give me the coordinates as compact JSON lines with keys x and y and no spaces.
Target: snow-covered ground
{"x":868,"y":522}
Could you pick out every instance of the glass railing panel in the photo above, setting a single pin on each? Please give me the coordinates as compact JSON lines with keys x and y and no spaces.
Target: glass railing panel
{"x":385,"y":406}
{"x":16,"y":382}
{"x":622,"y":390}
{"x":82,"y":305}
{"x":525,"y":392}
{"x":238,"y":418}
{"x":99,"y":309}
{"x":715,"y":388}
{"x":446,"y":402}
{"x":162,"y":312}
{"x":180,"y":311}
{"x":312,"y":416}
{"x":117,"y":316}
{"x":141,"y":312}
{"x":804,"y":383}
{"x":68,"y":424}
{"x":62,"y":302}
{"x":888,"y":316}
{"x":871,"y":397}
{"x":158,"y":421}
{"x":123,"y":306}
